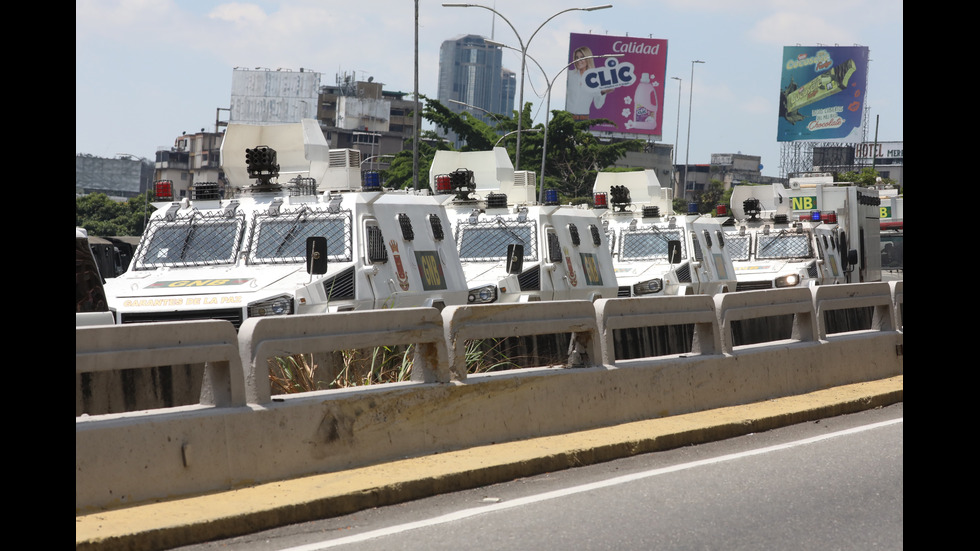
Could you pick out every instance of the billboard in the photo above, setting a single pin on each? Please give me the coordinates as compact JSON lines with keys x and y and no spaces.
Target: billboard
{"x":627,"y":90}
{"x":821,"y":93}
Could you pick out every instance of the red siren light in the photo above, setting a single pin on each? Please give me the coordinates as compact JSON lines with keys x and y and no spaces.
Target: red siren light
{"x":164,"y":190}
{"x":599,"y":200}
{"x":443,"y":184}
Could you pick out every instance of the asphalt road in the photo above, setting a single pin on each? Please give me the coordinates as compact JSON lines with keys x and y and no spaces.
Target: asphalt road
{"x":833,"y":483}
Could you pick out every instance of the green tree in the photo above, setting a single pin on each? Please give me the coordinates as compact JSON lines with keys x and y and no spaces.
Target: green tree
{"x":475,"y":134}
{"x":478,"y":136}
{"x":712,"y":196}
{"x":400,"y":171}
{"x":102,"y":216}
{"x":866,"y":177}
{"x":574,"y":154}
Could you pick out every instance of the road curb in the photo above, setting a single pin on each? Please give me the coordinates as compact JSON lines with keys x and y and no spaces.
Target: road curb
{"x":164,"y":525}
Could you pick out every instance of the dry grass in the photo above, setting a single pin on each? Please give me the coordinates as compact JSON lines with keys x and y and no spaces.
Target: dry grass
{"x":351,"y":368}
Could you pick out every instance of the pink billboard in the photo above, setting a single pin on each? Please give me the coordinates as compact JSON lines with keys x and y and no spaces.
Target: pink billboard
{"x":627,"y":89}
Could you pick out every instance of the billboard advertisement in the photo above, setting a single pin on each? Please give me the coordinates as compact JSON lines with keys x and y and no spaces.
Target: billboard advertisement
{"x":627,"y":89}
{"x":822,"y":91}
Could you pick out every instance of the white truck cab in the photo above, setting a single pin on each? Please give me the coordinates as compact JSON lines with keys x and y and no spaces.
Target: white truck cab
{"x":318,"y":243}
{"x":655,"y":251}
{"x":513,"y":249}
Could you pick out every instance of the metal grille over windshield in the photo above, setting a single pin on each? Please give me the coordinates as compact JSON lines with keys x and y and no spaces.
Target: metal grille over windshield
{"x":649,"y":243}
{"x":738,"y":245}
{"x":200,"y":240}
{"x":487,"y":241}
{"x":783,"y":245}
{"x":281,"y":239}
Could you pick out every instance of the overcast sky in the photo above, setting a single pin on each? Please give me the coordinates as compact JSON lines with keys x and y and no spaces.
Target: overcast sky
{"x":148,"y":70}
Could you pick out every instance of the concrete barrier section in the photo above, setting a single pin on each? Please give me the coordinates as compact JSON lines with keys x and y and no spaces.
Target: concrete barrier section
{"x":246,"y":436}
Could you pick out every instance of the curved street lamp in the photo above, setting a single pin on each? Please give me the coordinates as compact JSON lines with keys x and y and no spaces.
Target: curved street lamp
{"x":373,"y":157}
{"x":524,"y":47}
{"x":518,"y":132}
{"x":495,"y":116}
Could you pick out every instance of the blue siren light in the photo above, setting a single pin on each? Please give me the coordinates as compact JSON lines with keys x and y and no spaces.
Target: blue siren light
{"x":372,"y":181}
{"x":551,"y":196}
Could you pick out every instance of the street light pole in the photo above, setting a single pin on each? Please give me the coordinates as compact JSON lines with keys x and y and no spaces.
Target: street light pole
{"x":415,"y":111}
{"x":687,"y":156}
{"x":524,"y":47}
{"x":677,"y":135}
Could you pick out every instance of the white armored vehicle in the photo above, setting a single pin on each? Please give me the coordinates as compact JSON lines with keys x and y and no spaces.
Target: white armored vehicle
{"x":771,"y":250}
{"x":813,"y":232}
{"x":657,"y":252}
{"x":318,"y":243}
{"x":512,"y":248}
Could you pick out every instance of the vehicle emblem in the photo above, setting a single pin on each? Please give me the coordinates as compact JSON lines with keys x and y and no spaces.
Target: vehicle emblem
{"x":399,"y":269}
{"x":572,"y":278}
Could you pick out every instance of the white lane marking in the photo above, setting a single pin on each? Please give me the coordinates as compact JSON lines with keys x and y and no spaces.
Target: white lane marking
{"x":466,"y":513}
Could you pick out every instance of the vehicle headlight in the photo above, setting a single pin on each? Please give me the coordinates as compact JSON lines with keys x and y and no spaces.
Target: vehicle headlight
{"x":789,"y":280}
{"x":648,"y":287}
{"x":276,"y":306}
{"x":483,"y":295}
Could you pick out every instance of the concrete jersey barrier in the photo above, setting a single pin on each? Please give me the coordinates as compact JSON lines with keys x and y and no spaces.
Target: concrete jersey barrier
{"x":247,"y":436}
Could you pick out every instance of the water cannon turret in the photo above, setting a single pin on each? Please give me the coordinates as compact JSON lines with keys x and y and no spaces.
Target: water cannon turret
{"x":620,"y":197}
{"x":752,"y":208}
{"x":462,"y":184}
{"x":262,"y":165}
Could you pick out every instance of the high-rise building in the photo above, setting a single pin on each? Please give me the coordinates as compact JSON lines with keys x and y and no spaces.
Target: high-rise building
{"x":470,"y":72}
{"x":508,"y":91}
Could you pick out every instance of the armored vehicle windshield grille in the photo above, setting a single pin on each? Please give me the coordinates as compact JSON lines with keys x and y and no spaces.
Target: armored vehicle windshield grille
{"x":199,"y":240}
{"x":281,"y":238}
{"x":738,"y":246}
{"x":783,"y":245}
{"x":486,"y":241}
{"x":649,"y":243}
